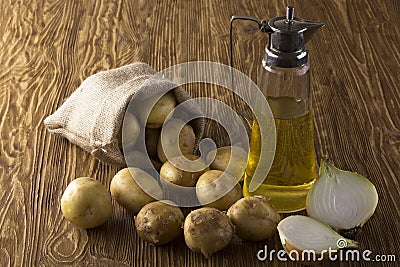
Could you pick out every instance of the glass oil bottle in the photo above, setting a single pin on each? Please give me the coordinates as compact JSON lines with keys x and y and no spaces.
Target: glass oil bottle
{"x":285,"y":82}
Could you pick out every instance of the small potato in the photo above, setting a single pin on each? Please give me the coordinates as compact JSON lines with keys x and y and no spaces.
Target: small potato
{"x":151,"y":140}
{"x":86,"y":203}
{"x":207,"y":230}
{"x":125,"y":190}
{"x":159,"y":223}
{"x":177,"y":176}
{"x":187,"y":140}
{"x":212,"y":185}
{"x":254,"y":218}
{"x":161,"y":110}
{"x":129,"y":132}
{"x":236,"y":155}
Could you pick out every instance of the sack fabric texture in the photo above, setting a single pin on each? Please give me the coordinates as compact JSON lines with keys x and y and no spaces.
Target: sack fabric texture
{"x":93,"y":115}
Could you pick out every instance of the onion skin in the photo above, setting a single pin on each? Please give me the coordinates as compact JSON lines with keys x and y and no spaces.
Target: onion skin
{"x":351,"y":233}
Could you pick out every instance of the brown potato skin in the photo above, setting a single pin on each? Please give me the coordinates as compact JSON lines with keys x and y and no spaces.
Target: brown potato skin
{"x":254,"y":218}
{"x":172,"y":174}
{"x":159,"y":223}
{"x":187,"y":140}
{"x":206,"y":194}
{"x":207,"y":230}
{"x":86,"y":203}
{"x":160,"y":110}
{"x":129,"y":194}
{"x":226,"y":154}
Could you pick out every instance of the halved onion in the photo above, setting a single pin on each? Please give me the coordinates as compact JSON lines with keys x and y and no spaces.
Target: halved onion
{"x":341,"y":199}
{"x":302,"y":233}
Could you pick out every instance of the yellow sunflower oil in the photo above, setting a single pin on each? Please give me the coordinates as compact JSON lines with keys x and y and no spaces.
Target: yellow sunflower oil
{"x":293,"y":169}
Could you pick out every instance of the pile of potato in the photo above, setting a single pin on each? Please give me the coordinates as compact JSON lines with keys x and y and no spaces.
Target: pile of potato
{"x":87,"y":203}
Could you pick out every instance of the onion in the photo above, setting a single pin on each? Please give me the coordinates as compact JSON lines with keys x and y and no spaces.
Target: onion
{"x":341,"y":199}
{"x":302,"y":233}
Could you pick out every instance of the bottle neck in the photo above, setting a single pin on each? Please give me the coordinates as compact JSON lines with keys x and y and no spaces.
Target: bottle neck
{"x":296,"y":71}
{"x":279,"y":58}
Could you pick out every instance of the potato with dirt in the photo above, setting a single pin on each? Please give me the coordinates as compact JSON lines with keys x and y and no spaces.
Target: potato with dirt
{"x":126,"y":191}
{"x":207,"y":230}
{"x":172,"y":170}
{"x":159,"y":222}
{"x":172,"y":141}
{"x":86,"y":203}
{"x":254,"y":218}
{"x":213,"y":189}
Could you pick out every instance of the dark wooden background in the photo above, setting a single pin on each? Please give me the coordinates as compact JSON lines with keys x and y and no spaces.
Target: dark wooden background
{"x":47,"y":48}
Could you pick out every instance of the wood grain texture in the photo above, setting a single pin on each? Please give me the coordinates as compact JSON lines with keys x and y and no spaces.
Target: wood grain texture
{"x":47,"y":48}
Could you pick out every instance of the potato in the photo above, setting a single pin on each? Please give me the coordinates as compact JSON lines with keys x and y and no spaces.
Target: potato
{"x":161,"y":110}
{"x":187,"y":140}
{"x":125,"y":190}
{"x":235,"y":154}
{"x":151,"y":140}
{"x":177,"y":176}
{"x":159,"y":223}
{"x":207,"y":230}
{"x":254,"y":218}
{"x":212,"y":184}
{"x":130,"y":131}
{"x":86,"y":203}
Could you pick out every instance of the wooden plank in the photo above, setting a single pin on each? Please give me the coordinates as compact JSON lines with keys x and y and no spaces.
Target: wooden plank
{"x":47,"y":48}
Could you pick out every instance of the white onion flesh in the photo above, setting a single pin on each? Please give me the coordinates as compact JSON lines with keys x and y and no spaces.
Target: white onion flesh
{"x":305,"y":233}
{"x":341,"y":199}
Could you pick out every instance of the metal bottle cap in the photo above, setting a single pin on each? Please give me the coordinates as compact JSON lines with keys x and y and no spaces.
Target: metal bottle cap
{"x":288,"y":36}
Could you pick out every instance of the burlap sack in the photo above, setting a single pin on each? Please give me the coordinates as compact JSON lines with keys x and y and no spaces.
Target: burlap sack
{"x":93,"y":115}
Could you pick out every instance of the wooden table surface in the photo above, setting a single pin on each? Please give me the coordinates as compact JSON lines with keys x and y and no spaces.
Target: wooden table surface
{"x":47,"y":48}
